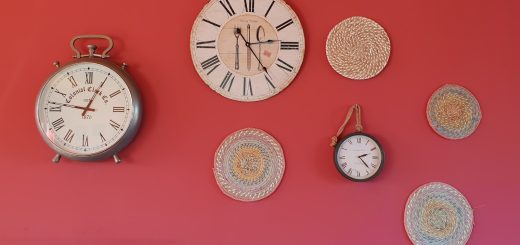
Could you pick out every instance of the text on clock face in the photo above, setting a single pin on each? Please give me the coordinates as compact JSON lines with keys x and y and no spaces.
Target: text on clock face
{"x":247,"y":50}
{"x":359,"y":157}
{"x":87,"y":108}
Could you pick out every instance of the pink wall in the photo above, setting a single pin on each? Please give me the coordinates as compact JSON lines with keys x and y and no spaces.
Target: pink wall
{"x":165,"y":192}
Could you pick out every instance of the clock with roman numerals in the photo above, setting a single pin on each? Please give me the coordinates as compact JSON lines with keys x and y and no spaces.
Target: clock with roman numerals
{"x":359,"y":157}
{"x":247,"y":50}
{"x":89,"y":109}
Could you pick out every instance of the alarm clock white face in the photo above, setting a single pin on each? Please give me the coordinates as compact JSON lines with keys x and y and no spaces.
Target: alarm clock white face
{"x":247,"y":50}
{"x":359,"y":157}
{"x":85,"y":108}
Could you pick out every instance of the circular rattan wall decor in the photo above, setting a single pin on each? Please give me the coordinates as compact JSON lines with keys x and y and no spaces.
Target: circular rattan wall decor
{"x":436,"y":213}
{"x":453,"y":112}
{"x":249,"y":165}
{"x":358,"y":48}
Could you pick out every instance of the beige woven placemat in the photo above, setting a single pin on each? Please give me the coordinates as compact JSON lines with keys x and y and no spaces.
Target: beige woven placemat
{"x":249,"y":165}
{"x":358,"y":48}
{"x":437,"y":213}
{"x":453,"y":112}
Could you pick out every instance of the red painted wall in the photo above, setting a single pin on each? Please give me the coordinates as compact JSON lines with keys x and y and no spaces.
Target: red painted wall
{"x":165,"y":192}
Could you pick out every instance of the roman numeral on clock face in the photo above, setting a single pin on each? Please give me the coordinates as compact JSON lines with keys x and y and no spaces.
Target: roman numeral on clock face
{"x":227,"y":82}
{"x":62,"y":94}
{"x":58,"y":124}
{"x":229,"y":10}
{"x":206,"y":44}
{"x":89,"y":76}
{"x":114,"y":125}
{"x":112,"y":95}
{"x":269,"y":81}
{"x":269,"y":9}
{"x":85,"y":141}
{"x":284,"y":25}
{"x":248,"y":89}
{"x":290,"y":45}
{"x":211,"y":23}
{"x":102,"y":137}
{"x":55,"y":109}
{"x":68,"y":137}
{"x":211,"y":63}
{"x":284,"y":65}
{"x":251,"y":6}
{"x":118,"y":109}
{"x":72,"y":81}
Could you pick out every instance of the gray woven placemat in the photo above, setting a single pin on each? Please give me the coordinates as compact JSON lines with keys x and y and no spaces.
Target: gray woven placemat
{"x":436,"y":213}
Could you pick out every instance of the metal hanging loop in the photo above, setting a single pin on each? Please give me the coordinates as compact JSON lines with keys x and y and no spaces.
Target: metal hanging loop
{"x":92,"y":48}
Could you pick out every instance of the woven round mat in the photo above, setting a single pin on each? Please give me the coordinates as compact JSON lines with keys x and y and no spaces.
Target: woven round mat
{"x":358,"y":48}
{"x":453,"y":112}
{"x":249,"y":165}
{"x":436,"y":213}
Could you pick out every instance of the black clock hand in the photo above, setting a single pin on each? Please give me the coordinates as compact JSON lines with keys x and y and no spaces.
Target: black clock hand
{"x":360,"y":158}
{"x":252,"y":51}
{"x":71,"y":106}
{"x":266,"y":42}
{"x":93,"y":97}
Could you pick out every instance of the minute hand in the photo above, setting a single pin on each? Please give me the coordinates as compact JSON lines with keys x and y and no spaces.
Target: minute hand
{"x":248,"y":45}
{"x":265,"y":42}
{"x":72,"y":106}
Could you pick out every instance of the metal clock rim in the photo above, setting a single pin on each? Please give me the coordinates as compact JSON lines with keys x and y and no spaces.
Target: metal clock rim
{"x":133,"y":125}
{"x":336,"y":164}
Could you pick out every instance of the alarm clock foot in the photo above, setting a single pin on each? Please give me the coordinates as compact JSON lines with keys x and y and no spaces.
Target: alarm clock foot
{"x":117,"y":159}
{"x":56,"y":159}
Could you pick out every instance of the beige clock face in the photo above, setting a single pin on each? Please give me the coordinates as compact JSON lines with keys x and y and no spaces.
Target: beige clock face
{"x":247,"y":50}
{"x":84,"y":109}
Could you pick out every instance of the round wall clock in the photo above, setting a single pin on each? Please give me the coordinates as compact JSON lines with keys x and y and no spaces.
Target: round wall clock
{"x":247,"y":50}
{"x":359,"y":156}
{"x":89,"y":109}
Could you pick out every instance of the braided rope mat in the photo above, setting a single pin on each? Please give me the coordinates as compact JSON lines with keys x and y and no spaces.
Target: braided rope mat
{"x":249,"y":165}
{"x":436,"y":213}
{"x":453,"y":112}
{"x":358,"y":48}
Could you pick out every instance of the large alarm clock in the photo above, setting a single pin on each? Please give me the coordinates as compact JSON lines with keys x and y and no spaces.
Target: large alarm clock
{"x":247,"y":50}
{"x":90,"y":108}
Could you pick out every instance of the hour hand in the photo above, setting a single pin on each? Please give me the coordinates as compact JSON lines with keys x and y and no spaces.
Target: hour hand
{"x":361,"y":158}
{"x":248,"y":45}
{"x":265,"y":42}
{"x":72,"y":106}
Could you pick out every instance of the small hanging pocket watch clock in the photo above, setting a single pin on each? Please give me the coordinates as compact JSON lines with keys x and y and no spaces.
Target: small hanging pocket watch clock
{"x":89,"y":109}
{"x":359,"y":156}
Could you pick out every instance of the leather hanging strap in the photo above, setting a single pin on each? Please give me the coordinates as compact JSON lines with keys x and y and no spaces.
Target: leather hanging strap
{"x":359,"y":127}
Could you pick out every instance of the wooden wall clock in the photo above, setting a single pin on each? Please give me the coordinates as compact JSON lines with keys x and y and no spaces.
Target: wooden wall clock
{"x":247,"y":50}
{"x":89,"y":109}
